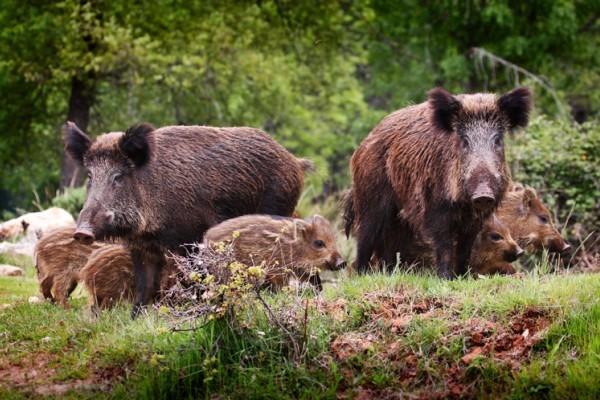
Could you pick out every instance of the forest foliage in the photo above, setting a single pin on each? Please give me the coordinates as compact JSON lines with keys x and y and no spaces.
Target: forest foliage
{"x":315,"y":75}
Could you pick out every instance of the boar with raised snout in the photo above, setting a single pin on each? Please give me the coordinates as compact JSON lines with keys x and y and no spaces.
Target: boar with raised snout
{"x":529,"y":221}
{"x":494,"y":249}
{"x":432,"y":173}
{"x":58,"y":260}
{"x":286,"y":247}
{"x":158,"y":189}
{"x":108,"y":276}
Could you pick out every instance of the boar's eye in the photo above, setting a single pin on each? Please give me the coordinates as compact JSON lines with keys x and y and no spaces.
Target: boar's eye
{"x":498,"y":140}
{"x":117,"y":179}
{"x":319,"y":244}
{"x":543,"y":218}
{"x":496,"y":237}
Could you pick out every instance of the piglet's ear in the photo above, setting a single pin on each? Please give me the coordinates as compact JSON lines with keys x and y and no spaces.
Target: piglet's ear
{"x":444,"y":107}
{"x":529,"y":197}
{"x":76,"y":142}
{"x":516,"y":106}
{"x":138,"y":143}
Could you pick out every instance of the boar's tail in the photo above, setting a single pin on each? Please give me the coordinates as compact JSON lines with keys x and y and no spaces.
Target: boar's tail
{"x":348,"y":216}
{"x":307,"y":165}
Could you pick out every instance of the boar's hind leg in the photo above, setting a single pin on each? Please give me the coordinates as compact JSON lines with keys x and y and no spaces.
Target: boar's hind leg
{"x":147,"y":267}
{"x":46,"y":288}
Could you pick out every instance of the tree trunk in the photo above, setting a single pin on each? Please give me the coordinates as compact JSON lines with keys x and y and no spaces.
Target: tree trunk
{"x":83,"y":91}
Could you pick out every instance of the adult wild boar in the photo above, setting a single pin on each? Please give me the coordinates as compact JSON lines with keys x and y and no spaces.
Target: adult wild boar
{"x":529,"y":221}
{"x":285,"y":247}
{"x":160,"y":188}
{"x":432,"y":173}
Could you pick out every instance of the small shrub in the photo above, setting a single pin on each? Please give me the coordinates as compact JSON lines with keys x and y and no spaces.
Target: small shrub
{"x":71,"y":200}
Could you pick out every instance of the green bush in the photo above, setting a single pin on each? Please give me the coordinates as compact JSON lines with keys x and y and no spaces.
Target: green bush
{"x":71,"y":200}
{"x":561,"y":160}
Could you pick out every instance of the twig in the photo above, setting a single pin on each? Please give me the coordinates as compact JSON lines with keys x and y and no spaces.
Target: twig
{"x":480,"y":53}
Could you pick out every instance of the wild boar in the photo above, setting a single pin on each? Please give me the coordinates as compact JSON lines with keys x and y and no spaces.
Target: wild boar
{"x":432,"y":173}
{"x":158,"y":189}
{"x":494,"y":249}
{"x":529,"y":221}
{"x":108,"y":276}
{"x":58,"y":259}
{"x":286,"y":247}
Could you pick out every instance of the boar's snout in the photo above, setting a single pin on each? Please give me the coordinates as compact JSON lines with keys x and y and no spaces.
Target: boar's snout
{"x":84,"y":235}
{"x":483,"y":198}
{"x":520,"y":251}
{"x":339,"y":263}
{"x":559,"y":246}
{"x":510,"y":256}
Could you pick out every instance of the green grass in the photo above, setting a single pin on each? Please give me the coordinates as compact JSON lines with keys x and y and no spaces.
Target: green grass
{"x":377,"y":335}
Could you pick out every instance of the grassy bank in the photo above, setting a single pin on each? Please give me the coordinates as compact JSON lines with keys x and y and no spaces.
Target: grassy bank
{"x":366,"y":337}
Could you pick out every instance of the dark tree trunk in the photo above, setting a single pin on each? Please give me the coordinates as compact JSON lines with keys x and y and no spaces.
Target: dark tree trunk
{"x":83,"y":91}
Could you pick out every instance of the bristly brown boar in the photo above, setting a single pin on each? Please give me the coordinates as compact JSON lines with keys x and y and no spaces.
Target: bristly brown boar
{"x":529,"y":221}
{"x":285,"y":247}
{"x":494,"y":249}
{"x":431,"y":174}
{"x":158,"y":189}
{"x":58,"y":260}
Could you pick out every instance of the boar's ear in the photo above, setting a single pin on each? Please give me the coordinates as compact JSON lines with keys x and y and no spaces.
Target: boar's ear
{"x":76,"y":142}
{"x":137,"y":143}
{"x":516,"y":106}
{"x":444,"y":107}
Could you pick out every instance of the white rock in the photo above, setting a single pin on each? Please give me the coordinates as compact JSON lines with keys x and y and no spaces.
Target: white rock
{"x":38,"y":223}
{"x":9,"y":270}
{"x":34,"y":299}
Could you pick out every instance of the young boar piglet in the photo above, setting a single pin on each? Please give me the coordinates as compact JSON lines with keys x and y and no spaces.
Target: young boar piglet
{"x":58,"y":259}
{"x":529,"y":221}
{"x":494,"y":249}
{"x":286,"y":247}
{"x":108,"y":276}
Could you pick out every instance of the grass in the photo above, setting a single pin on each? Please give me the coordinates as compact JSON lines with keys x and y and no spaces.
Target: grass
{"x":532,"y":336}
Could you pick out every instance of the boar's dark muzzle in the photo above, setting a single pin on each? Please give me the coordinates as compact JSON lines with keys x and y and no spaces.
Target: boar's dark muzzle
{"x":84,"y":235}
{"x":510,"y":256}
{"x":339,"y":263}
{"x":559,"y":246}
{"x":483,"y":199}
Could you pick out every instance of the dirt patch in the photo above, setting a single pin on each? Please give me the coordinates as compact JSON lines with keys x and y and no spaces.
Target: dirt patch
{"x":35,"y":376}
{"x":381,"y":345}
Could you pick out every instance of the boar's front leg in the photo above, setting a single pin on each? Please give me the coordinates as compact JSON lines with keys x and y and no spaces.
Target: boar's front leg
{"x":464,"y":245}
{"x":147,"y":266}
{"x":439,"y":230}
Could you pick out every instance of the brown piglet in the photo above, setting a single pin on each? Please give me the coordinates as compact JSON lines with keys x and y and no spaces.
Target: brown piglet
{"x":58,"y":259}
{"x":494,"y":249}
{"x":286,"y":247}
